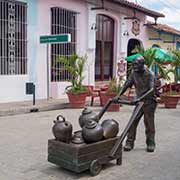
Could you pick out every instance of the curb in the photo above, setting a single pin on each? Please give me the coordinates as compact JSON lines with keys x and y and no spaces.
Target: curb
{"x":30,"y":109}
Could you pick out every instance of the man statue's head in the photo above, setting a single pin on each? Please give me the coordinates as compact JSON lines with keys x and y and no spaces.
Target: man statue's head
{"x":138,"y":64}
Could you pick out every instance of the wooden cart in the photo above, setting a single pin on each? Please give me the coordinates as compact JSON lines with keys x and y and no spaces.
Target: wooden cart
{"x":81,"y":157}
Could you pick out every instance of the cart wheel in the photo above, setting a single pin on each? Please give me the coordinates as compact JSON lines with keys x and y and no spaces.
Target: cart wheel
{"x":95,"y":167}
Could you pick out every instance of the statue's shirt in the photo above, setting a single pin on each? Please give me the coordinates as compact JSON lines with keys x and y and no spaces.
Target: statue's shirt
{"x":143,"y":82}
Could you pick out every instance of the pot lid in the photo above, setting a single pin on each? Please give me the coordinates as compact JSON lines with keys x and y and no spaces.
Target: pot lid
{"x":91,"y":124}
{"x":86,"y":111}
{"x":77,"y":138}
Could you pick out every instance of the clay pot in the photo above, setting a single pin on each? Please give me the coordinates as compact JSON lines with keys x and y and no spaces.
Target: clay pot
{"x":92,"y":132}
{"x":105,"y":97}
{"x":87,"y":115}
{"x":77,"y":100}
{"x":62,"y":130}
{"x":77,"y":138}
{"x":110,"y":128}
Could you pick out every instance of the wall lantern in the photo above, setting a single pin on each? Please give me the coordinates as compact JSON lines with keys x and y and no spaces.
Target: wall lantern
{"x":126,"y":33}
{"x":94,"y":27}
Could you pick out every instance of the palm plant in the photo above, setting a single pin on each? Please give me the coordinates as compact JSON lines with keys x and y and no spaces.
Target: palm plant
{"x":74,"y":64}
{"x":175,"y":64}
{"x":151,"y":60}
{"x":114,"y":85}
{"x":170,"y":97}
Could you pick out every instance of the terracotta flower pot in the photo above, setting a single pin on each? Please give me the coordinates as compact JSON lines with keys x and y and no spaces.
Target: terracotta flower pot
{"x":77,"y":100}
{"x":170,"y":101}
{"x":105,"y":97}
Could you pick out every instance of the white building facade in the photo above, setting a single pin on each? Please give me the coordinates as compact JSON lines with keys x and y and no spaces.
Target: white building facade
{"x":105,"y":31}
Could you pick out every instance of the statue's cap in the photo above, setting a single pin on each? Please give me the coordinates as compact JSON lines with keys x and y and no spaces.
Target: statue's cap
{"x":139,"y":58}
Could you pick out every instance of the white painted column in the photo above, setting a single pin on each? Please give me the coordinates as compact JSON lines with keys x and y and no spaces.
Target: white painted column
{"x":91,"y":46}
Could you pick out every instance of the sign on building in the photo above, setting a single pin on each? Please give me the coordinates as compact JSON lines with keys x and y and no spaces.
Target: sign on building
{"x":58,"y":38}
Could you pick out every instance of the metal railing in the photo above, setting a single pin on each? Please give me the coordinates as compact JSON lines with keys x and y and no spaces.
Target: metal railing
{"x":62,"y":21}
{"x":13,"y":37}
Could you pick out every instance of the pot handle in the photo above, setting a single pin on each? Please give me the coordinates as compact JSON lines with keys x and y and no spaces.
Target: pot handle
{"x":62,"y":118}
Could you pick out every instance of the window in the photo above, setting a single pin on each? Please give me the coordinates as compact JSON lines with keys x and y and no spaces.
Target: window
{"x":155,"y":46}
{"x":13,"y":37}
{"x":62,"y":21}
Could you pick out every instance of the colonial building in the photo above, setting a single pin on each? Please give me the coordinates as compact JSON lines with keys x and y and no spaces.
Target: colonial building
{"x":163,"y":36}
{"x":105,"y":30}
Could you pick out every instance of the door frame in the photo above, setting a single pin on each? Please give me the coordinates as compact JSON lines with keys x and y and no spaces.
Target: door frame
{"x":102,"y":50}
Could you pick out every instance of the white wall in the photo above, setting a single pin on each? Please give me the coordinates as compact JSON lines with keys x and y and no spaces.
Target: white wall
{"x":13,"y":88}
{"x":37,"y":53}
{"x":44,"y":29}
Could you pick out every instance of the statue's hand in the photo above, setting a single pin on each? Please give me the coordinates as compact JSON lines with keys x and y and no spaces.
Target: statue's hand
{"x":135,"y":101}
{"x":115,"y":99}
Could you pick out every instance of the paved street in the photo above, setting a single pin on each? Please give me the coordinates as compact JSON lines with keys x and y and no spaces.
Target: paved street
{"x":23,"y":148}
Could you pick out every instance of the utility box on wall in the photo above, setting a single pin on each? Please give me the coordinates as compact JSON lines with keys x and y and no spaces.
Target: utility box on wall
{"x":30,"y":88}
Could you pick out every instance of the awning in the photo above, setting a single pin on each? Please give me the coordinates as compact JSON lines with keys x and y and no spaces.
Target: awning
{"x":161,"y":55}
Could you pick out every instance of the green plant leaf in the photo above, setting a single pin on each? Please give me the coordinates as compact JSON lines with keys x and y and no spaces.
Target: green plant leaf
{"x":74,"y":64}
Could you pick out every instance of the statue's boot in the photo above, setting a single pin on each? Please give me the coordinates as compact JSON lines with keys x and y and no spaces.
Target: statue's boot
{"x":150,"y":144}
{"x":128,"y":146}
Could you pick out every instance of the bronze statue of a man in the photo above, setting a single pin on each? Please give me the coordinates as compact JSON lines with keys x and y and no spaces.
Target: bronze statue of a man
{"x":143,"y":80}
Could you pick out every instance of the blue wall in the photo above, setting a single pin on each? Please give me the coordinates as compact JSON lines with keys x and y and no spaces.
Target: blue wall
{"x":32,"y":21}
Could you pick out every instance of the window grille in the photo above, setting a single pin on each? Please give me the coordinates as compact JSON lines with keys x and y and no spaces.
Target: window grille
{"x":62,"y":21}
{"x":13,"y":37}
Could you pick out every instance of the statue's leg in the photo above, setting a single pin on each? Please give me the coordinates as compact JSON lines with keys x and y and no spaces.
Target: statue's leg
{"x":131,"y":136}
{"x":149,"y":116}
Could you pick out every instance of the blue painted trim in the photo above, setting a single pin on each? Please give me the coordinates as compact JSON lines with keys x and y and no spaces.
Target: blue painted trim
{"x":25,"y":1}
{"x":32,"y":39}
{"x":155,"y":39}
{"x":177,"y":45}
{"x":178,"y":71}
{"x":155,"y":69}
{"x":163,"y":32}
{"x":169,"y":42}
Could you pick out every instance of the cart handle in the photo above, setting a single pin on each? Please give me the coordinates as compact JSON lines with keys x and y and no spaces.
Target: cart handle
{"x":122,"y":101}
{"x":117,"y":146}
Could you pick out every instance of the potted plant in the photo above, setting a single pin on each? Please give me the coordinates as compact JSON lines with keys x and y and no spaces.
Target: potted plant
{"x":113,"y":89}
{"x":76,"y":92}
{"x":172,"y":94}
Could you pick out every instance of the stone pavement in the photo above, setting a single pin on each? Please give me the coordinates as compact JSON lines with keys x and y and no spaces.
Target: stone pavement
{"x":23,"y":107}
{"x":23,"y":148}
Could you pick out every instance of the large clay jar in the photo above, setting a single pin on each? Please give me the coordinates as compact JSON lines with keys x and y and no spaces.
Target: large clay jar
{"x":62,"y":129}
{"x":92,"y":132}
{"x":110,"y":128}
{"x":87,"y":115}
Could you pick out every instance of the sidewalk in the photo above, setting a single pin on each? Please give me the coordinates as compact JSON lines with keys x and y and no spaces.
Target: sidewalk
{"x":23,"y":107}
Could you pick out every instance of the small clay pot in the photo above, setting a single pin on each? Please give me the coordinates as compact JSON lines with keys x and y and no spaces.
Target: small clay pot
{"x":62,"y":129}
{"x":110,"y":128}
{"x":92,"y":132}
{"x":87,"y":115}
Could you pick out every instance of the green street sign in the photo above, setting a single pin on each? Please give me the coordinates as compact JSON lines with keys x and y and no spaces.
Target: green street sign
{"x":57,"y":38}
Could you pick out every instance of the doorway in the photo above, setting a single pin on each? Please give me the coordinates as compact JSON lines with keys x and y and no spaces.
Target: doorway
{"x":104,"y":48}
